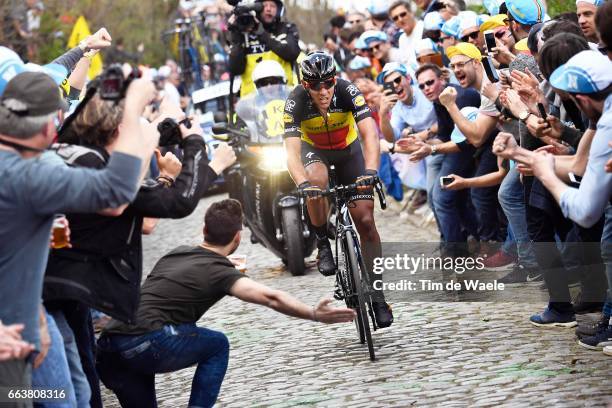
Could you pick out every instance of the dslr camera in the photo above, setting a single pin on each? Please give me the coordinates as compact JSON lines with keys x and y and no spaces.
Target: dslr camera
{"x":113,"y":84}
{"x":170,"y":131}
{"x":243,"y":13}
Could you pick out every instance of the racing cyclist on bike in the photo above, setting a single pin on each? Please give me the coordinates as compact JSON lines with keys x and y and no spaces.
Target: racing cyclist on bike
{"x":323,"y":118}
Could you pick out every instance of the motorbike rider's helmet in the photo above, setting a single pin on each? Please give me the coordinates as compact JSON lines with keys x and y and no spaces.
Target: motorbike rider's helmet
{"x":268,"y":72}
{"x":317,"y":67}
{"x":280,"y":9}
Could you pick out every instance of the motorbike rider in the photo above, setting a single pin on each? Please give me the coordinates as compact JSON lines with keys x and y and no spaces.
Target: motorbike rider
{"x":268,"y":38}
{"x":323,"y":117}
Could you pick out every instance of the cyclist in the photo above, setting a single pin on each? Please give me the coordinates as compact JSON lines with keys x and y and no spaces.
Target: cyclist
{"x":323,"y":117}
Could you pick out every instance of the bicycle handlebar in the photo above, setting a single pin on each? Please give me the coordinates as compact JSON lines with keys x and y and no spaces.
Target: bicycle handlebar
{"x":350,"y":189}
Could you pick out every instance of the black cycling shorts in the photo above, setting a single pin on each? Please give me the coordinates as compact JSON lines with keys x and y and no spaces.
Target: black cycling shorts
{"x":349,"y":164}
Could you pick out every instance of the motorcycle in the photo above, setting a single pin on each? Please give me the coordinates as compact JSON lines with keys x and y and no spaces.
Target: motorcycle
{"x":260,"y":179}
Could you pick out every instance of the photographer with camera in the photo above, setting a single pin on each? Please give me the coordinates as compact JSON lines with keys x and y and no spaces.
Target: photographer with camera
{"x":258,"y":34}
{"x":103,"y":268}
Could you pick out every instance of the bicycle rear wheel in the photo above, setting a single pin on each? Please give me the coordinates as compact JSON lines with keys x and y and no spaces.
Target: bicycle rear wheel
{"x":357,"y":282}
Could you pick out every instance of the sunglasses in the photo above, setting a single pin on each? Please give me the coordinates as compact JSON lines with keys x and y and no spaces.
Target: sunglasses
{"x":396,"y":81}
{"x":501,"y":34}
{"x":459,"y":65}
{"x":426,"y":83}
{"x":473,"y":36}
{"x":400,"y":15}
{"x":268,"y":81}
{"x":355,"y":22}
{"x":374,"y":48}
{"x":316,"y":86}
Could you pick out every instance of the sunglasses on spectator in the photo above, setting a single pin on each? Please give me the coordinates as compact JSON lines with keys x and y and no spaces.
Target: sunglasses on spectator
{"x":374,"y":48}
{"x":396,"y":81}
{"x":473,"y":36}
{"x":355,"y":21}
{"x":400,"y":15}
{"x":500,"y":34}
{"x":459,"y":65}
{"x":316,"y":86}
{"x":426,"y":83}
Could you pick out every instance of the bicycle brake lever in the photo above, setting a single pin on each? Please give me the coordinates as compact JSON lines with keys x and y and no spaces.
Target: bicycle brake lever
{"x":381,"y":195}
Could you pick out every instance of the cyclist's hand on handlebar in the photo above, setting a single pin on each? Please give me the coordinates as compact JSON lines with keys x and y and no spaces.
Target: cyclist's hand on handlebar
{"x":325,"y":313}
{"x":366,"y":181}
{"x":310,"y":191}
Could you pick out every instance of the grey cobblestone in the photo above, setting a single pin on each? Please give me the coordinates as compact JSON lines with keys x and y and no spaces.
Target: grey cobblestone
{"x":434,"y":355}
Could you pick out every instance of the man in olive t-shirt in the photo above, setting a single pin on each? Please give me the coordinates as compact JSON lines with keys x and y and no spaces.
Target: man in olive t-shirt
{"x":183,"y":285}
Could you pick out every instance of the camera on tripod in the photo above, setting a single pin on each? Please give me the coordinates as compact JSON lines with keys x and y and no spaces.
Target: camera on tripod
{"x":244,"y":13}
{"x":113,"y":84}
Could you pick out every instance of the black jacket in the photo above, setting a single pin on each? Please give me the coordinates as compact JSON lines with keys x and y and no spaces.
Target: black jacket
{"x":281,"y":38}
{"x":104,"y":267}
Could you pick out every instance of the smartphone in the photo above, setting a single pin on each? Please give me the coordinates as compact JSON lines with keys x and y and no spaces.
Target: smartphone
{"x":490,"y":69}
{"x":446,"y":180}
{"x":489,"y":36}
{"x":389,"y":86}
{"x":542,"y":111}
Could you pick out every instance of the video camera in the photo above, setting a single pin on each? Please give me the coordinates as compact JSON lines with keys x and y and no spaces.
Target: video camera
{"x":113,"y":85}
{"x":243,"y":13}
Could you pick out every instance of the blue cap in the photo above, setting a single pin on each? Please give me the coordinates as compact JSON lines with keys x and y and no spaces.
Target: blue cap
{"x":492,"y":6}
{"x":433,"y":21}
{"x":470,"y":113}
{"x":359,"y":62}
{"x":11,"y":65}
{"x":451,"y":27}
{"x":586,"y":72}
{"x":596,"y":3}
{"x":528,"y":12}
{"x":373,"y":35}
{"x":395,"y":67}
{"x":378,"y":7}
{"x":360,"y":44}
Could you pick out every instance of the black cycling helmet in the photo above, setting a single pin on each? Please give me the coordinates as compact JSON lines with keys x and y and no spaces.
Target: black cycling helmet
{"x":318,"y":66}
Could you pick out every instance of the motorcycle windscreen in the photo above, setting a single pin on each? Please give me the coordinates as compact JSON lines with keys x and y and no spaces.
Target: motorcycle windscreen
{"x":263,"y":113}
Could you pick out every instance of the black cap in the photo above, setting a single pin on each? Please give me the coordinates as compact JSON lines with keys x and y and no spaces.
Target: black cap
{"x":32,"y":94}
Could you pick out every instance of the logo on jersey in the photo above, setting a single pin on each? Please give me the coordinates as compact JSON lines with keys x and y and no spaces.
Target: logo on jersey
{"x":352,"y":90}
{"x":287,"y":118}
{"x":289,"y":105}
{"x":359,"y":101}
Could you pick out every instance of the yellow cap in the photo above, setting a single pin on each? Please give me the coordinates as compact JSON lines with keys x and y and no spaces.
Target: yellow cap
{"x":498,"y":20}
{"x":521,"y":45}
{"x":463,"y":48}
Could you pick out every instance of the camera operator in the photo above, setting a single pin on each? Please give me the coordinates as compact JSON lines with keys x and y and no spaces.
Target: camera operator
{"x":261,"y":35}
{"x":103,"y":269}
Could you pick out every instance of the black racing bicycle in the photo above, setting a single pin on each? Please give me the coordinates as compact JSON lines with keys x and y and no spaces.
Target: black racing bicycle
{"x":352,"y":281}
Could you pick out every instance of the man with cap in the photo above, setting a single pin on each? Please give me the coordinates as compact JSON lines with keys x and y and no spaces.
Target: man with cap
{"x":465,"y":62}
{"x":586,"y":10}
{"x":412,"y":29}
{"x":503,"y":51}
{"x":379,"y":18}
{"x":470,"y":29}
{"x":380,"y":48}
{"x":413,"y":113}
{"x":34,"y":190}
{"x":522,"y":15}
{"x":587,"y":79}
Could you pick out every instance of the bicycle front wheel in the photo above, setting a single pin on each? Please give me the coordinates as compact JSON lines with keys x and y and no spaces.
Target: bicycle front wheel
{"x":358,"y":281}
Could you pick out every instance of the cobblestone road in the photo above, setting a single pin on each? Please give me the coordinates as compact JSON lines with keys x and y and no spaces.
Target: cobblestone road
{"x":435,"y":354}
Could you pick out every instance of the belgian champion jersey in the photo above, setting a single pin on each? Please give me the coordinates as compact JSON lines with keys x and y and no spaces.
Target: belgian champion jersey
{"x":303,"y":119}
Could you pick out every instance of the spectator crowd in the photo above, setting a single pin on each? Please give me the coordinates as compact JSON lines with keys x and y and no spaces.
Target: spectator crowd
{"x":500,"y":122}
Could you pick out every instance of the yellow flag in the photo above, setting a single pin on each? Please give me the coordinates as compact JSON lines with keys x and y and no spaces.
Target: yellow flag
{"x":80,"y":31}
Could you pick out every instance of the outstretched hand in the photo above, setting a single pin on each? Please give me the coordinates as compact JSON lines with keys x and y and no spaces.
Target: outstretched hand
{"x":325,"y":313}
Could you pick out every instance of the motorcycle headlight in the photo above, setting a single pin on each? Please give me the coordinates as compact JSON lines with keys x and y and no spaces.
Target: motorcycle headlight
{"x":273,"y":158}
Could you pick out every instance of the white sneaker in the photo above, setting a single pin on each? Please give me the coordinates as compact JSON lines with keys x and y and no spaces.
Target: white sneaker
{"x":607,"y":350}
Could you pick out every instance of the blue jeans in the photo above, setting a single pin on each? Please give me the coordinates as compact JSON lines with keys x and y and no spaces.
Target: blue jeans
{"x":485,"y":198}
{"x":127,"y":364}
{"x":606,"y":254}
{"x":512,"y":201}
{"x":79,"y":379}
{"x":54,"y":372}
{"x":434,"y":164}
{"x":453,"y":208}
